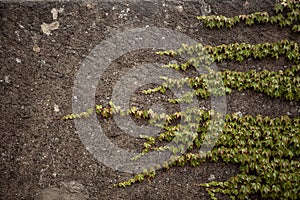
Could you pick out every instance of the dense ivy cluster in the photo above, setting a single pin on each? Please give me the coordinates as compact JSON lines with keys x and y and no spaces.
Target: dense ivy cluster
{"x":287,"y":14}
{"x":265,"y":149}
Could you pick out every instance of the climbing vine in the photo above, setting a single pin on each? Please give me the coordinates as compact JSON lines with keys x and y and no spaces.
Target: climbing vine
{"x":266,"y":149}
{"x":275,"y":84}
{"x":287,"y":14}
